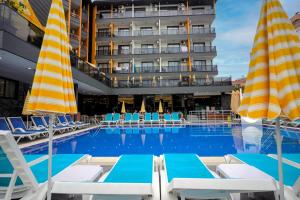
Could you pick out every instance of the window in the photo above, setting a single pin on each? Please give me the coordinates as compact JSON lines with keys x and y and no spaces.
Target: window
{"x":103,"y":50}
{"x":103,"y":32}
{"x":123,"y":67}
{"x":124,"y":31}
{"x":173,"y":66}
{"x":199,"y":47}
{"x":124,"y":49}
{"x":146,"y":31}
{"x":7,"y":88}
{"x":173,"y":29}
{"x":147,"y":66}
{"x":147,"y":48}
{"x":103,"y":67}
{"x":173,"y":48}
{"x":197,"y":28}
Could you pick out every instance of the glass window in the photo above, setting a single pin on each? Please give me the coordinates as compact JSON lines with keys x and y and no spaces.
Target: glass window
{"x":173,"y":29}
{"x":197,"y":28}
{"x":146,"y":31}
{"x":103,"y":50}
{"x":147,"y":66}
{"x":123,"y":67}
{"x":173,"y":48}
{"x":147,"y":48}
{"x":2,"y":87}
{"x":199,"y":47}
{"x":124,"y":31}
{"x":124,"y":49}
{"x":7,"y":88}
{"x":103,"y":32}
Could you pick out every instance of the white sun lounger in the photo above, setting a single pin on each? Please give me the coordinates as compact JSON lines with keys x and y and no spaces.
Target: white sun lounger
{"x":268,"y":166}
{"x":132,"y":178}
{"x":28,"y":180}
{"x":186,"y":176}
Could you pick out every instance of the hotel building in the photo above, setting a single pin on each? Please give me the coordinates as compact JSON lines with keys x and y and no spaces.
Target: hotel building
{"x":296,"y":22}
{"x":121,"y":51}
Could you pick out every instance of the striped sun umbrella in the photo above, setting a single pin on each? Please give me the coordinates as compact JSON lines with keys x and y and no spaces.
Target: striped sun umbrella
{"x":52,"y":89}
{"x":160,"y":108}
{"x":143,"y":110}
{"x":273,"y":81}
{"x":123,"y":110}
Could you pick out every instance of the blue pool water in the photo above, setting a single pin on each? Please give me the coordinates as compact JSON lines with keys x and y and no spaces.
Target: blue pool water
{"x":216,"y":140}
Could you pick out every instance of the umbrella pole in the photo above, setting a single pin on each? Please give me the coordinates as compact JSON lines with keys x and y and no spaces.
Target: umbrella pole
{"x":51,"y":122}
{"x":279,"y":158}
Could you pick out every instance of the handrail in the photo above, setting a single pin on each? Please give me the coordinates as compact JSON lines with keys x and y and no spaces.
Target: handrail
{"x":212,"y":116}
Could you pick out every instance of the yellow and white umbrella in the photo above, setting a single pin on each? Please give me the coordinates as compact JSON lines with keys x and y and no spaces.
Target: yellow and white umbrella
{"x":53,"y":89}
{"x":235,"y":101}
{"x":143,"y":110}
{"x":25,"y":110}
{"x":160,"y":108}
{"x":273,"y":81}
{"x":123,"y":110}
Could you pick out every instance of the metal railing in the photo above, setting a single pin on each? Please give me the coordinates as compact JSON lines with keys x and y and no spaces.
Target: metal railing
{"x":164,"y":69}
{"x":129,"y":14}
{"x":161,"y":83}
{"x":210,"y":116}
{"x":129,"y":33}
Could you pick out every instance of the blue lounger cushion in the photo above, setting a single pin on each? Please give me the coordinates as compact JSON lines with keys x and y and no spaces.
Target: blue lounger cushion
{"x":132,"y":169}
{"x":269,"y":166}
{"x":185,"y":166}
{"x":292,"y":157}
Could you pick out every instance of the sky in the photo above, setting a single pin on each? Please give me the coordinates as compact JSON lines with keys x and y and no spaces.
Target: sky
{"x":235,"y":24}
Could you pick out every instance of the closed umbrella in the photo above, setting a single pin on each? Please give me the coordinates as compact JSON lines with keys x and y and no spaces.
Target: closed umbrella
{"x":273,"y":83}
{"x":160,"y":108}
{"x":123,"y":110}
{"x":232,"y":101}
{"x":25,"y":110}
{"x":143,"y":110}
{"x":53,"y":89}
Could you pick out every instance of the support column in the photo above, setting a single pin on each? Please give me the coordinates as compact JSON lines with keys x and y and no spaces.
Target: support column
{"x":133,"y":66}
{"x":159,"y":31}
{"x":94,"y":32}
{"x":132,"y":10}
{"x":160,"y":70}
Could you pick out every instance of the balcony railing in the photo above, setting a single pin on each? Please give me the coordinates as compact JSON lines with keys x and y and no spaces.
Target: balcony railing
{"x":84,"y":16}
{"x":164,"y":50}
{"x":164,"y":69}
{"x":83,"y":34}
{"x":160,"y":83}
{"x":66,"y":4}
{"x":128,"y":14}
{"x":106,"y":34}
{"x":75,"y":20}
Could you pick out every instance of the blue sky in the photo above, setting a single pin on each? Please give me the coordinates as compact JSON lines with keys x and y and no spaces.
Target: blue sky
{"x":235,"y":25}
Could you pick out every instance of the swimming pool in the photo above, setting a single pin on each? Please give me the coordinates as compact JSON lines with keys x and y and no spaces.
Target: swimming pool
{"x":204,"y":140}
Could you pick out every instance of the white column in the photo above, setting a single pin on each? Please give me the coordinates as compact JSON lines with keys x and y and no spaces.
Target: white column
{"x":132,"y":28}
{"x":132,"y":10}
{"x":132,"y":66}
{"x":158,"y":8}
{"x":132,"y":47}
{"x":159,"y":45}
{"x":160,"y":64}
{"x":159,"y":27}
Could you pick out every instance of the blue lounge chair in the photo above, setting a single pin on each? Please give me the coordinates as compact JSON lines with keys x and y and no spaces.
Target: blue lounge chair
{"x":20,"y":131}
{"x":155,"y":118}
{"x":27,"y":176}
{"x":132,"y":177}
{"x":175,"y":118}
{"x":116,"y":118}
{"x":77,"y":123}
{"x":269,"y":166}
{"x":292,"y":159}
{"x":135,"y":119}
{"x":186,"y":176}
{"x":167,"y":119}
{"x":39,"y":122}
{"x":62,"y":121}
{"x":55,"y":126}
{"x":295,"y":123}
{"x":147,"y":119}
{"x":127,"y":118}
{"x":107,"y":119}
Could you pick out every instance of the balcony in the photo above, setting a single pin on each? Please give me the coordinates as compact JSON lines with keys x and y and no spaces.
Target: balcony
{"x":83,"y":34}
{"x":165,"y":69}
{"x":169,"y":83}
{"x":83,"y":52}
{"x":84,"y":16}
{"x":180,"y":51}
{"x":75,"y":22}
{"x":165,"y":13}
{"x":163,"y":32}
{"x":66,"y":4}
{"x":74,"y":40}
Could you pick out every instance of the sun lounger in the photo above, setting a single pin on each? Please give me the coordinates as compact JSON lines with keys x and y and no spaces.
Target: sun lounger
{"x":132,"y":177}
{"x":116,"y":118}
{"x":38,"y":121}
{"x":135,"y":118}
{"x":186,"y":176}
{"x":292,"y":159}
{"x":269,"y":166}
{"x":175,"y":118}
{"x":167,"y":119}
{"x":147,"y":118}
{"x":63,"y":122}
{"x":127,"y":118}
{"x":20,"y":131}
{"x":295,"y":123}
{"x":55,"y":126}
{"x":155,"y":118}
{"x":30,"y":177}
{"x":107,"y":119}
{"x":77,"y":123}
